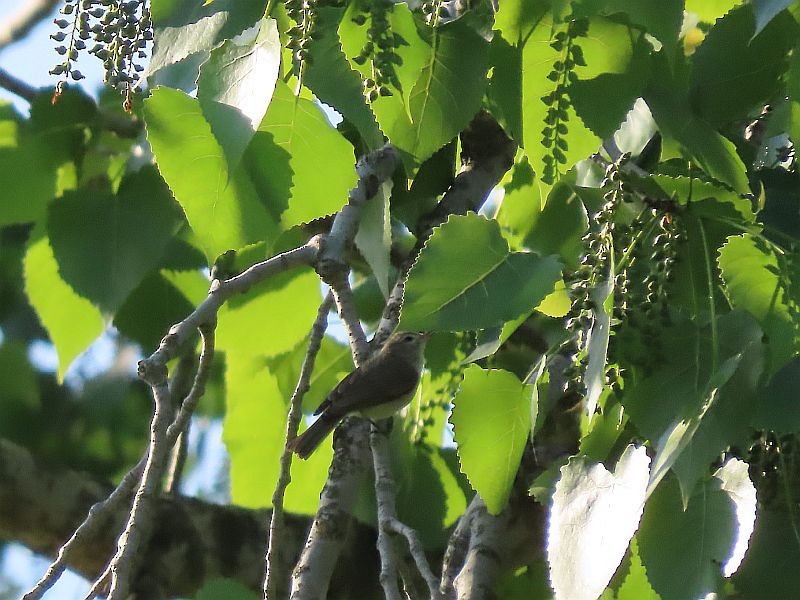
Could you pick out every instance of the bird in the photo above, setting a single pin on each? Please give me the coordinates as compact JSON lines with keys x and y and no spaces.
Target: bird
{"x":375,"y":390}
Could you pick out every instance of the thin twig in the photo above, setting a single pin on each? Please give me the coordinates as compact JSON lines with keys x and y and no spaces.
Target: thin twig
{"x":271,"y":589}
{"x":86,"y":530}
{"x":179,"y":387}
{"x":219,"y":293}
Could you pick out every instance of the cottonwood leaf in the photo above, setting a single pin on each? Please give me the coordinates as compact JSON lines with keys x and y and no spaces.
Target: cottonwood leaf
{"x":332,"y":79}
{"x":466,"y":278}
{"x":671,"y":110}
{"x":766,"y":10}
{"x":731,"y":75}
{"x":441,"y":77}
{"x":492,"y":420}
{"x":185,"y":28}
{"x":735,"y":481}
{"x":678,"y":436}
{"x":71,"y":321}
{"x":683,"y":550}
{"x":751,"y":275}
{"x":236,"y":85}
{"x":222,"y":208}
{"x":105,"y":244}
{"x":593,"y":517}
{"x":285,"y":164}
{"x":374,"y":237}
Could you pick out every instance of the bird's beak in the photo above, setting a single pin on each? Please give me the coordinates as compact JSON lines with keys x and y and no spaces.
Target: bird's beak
{"x":426,"y":335}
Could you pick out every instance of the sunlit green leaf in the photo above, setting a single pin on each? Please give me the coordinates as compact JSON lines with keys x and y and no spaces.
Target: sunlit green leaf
{"x":223,"y":209}
{"x":475,"y":257}
{"x":72,"y":322}
{"x":593,"y":516}
{"x":492,"y":420}
{"x":235,"y":87}
{"x":286,"y":166}
{"x":751,"y":278}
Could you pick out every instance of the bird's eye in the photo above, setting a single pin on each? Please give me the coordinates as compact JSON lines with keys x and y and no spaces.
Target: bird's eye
{"x":408,"y":338}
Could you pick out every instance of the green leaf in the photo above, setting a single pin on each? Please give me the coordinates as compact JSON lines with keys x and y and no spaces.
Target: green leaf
{"x":554,"y":135}
{"x":447,"y":93}
{"x":281,"y":308}
{"x":150,"y":310}
{"x":186,"y":27}
{"x":254,"y":428}
{"x":727,"y":421}
{"x":374,"y":237}
{"x":777,"y":405}
{"x":735,"y":479}
{"x":32,"y":151}
{"x":710,"y":10}
{"x":412,"y":52}
{"x":552,"y":228}
{"x":225,"y":589}
{"x":27,"y":174}
{"x":441,"y":80}
{"x":236,"y":85}
{"x":766,"y":11}
{"x":731,"y":76}
{"x":715,"y":154}
{"x":683,"y":550}
{"x":690,"y":190}
{"x":770,"y":567}
{"x":19,"y":386}
{"x":602,"y":297}
{"x":593,"y":517}
{"x":284,"y":161}
{"x":104,"y":244}
{"x":332,"y":80}
{"x":492,"y":420}
{"x":466,"y":278}
{"x":429,"y":496}
{"x":636,"y":585}
{"x":678,"y":436}
{"x":333,"y":362}
{"x":72,"y":322}
{"x":660,"y":19}
{"x":223,"y":209}
{"x":751,"y":278}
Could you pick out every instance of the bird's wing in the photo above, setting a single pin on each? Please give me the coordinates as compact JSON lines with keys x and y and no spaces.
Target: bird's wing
{"x":364,"y":388}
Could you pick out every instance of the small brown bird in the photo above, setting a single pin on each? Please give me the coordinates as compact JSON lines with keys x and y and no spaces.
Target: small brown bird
{"x":383,"y":384}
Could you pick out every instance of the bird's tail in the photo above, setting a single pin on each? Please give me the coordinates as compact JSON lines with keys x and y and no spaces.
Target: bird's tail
{"x":303,"y":445}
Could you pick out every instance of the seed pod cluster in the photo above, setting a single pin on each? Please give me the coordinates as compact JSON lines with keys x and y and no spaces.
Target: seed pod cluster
{"x":562,"y":74}
{"x":301,"y":34}
{"x":435,"y":11}
{"x":772,"y":460}
{"x":594,"y":269}
{"x":379,"y":49}
{"x":119,"y":32}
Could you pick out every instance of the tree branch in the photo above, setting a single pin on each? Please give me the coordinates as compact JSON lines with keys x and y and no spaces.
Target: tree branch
{"x":16,"y":86}
{"x":311,"y":576}
{"x":139,"y":524}
{"x":385,"y":495}
{"x":26,"y":17}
